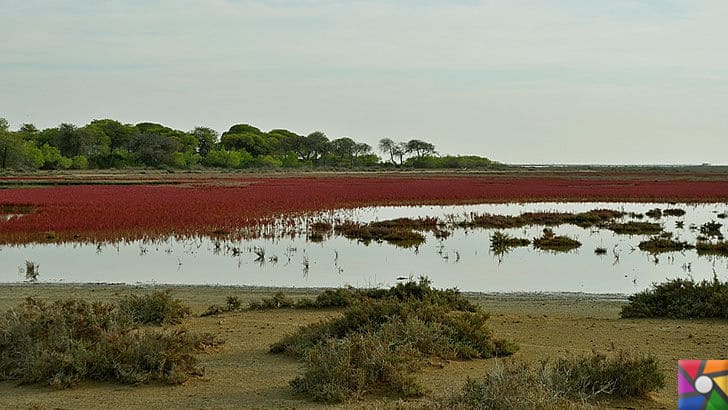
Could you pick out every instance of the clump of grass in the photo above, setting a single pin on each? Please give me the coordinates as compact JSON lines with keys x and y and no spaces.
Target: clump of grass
{"x":377,"y":343}
{"x":635,"y":228}
{"x":232,"y":304}
{"x":346,"y":369}
{"x":722,"y":215}
{"x":623,"y":375}
{"x":12,"y":209}
{"x":157,"y":308}
{"x":399,"y":232}
{"x":501,"y":243}
{"x":69,"y":341}
{"x":567,"y":383}
{"x":551,"y":242}
{"x":706,"y":248}
{"x":654,"y":213}
{"x":315,"y":237}
{"x":660,"y":244}
{"x":711,"y":229}
{"x":680,"y":299}
{"x":32,"y":270}
{"x":278,"y":301}
{"x":420,"y":290}
{"x":587,"y":219}
{"x":674,"y":212}
{"x":322,"y":227}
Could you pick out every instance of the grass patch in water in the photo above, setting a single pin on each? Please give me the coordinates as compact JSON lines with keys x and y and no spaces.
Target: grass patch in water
{"x":719,"y":248}
{"x":660,"y":244}
{"x":501,"y":243}
{"x":635,"y":228}
{"x":551,"y":242}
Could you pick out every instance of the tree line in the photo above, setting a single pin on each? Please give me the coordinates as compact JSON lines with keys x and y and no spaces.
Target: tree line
{"x":108,"y":143}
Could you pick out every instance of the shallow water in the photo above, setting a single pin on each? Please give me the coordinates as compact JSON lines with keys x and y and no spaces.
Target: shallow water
{"x":463,"y":260}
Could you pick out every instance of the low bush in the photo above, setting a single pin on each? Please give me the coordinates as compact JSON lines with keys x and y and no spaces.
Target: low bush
{"x":567,"y":383}
{"x":623,"y":375}
{"x":66,"y":342}
{"x":278,"y":301}
{"x":155,"y":308}
{"x":379,"y":341}
{"x":680,"y":299}
{"x":339,"y":370}
{"x":232,"y":304}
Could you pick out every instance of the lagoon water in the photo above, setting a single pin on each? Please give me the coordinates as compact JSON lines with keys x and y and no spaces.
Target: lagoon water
{"x":463,"y":260}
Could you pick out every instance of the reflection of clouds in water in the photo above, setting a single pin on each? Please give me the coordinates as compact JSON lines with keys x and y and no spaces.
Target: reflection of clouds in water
{"x":463,"y":260}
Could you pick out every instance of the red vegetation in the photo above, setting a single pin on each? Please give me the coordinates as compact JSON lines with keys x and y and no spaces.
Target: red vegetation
{"x":115,"y":212}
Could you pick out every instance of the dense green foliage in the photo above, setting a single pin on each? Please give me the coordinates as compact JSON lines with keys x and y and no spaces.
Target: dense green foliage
{"x":680,"y":299}
{"x":69,"y":341}
{"x":110,"y":144}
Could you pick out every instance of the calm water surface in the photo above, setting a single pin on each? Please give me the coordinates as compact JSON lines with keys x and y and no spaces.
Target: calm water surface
{"x":463,"y":260}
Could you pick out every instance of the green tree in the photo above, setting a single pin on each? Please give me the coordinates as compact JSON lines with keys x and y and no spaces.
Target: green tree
{"x":343,"y":148}
{"x":420,"y":148}
{"x":206,"y":139}
{"x":316,"y":146}
{"x":388,"y":147}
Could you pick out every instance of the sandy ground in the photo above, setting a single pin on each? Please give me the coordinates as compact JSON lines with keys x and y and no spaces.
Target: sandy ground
{"x":242,"y":374}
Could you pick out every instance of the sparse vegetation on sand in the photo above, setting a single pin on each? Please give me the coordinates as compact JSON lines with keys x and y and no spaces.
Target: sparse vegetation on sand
{"x":66,"y":342}
{"x":378,"y":343}
{"x":570,"y":382}
{"x":680,"y":299}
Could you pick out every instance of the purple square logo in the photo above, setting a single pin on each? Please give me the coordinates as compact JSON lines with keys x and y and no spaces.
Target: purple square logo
{"x":702,"y":384}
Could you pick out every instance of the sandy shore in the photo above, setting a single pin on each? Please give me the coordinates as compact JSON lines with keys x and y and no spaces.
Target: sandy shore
{"x":243,"y":375}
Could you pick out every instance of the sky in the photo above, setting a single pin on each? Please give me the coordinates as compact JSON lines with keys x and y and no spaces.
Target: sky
{"x":548,"y":81}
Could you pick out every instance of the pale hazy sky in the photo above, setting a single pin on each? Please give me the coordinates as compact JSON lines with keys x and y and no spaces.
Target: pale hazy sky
{"x":567,"y":81}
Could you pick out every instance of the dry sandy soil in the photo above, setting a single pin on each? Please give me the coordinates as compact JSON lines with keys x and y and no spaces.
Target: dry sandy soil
{"x":241,"y":374}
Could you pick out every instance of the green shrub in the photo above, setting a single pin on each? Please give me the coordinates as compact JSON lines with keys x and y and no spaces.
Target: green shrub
{"x":512,"y":385}
{"x":680,"y":299}
{"x":69,"y":341}
{"x":156,"y":308}
{"x":339,"y":370}
{"x":382,"y":336}
{"x":624,"y":375}
{"x":567,"y":383}
{"x":278,"y":301}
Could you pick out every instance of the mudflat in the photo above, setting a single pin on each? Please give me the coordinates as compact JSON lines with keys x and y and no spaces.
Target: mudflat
{"x":242,"y":374}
